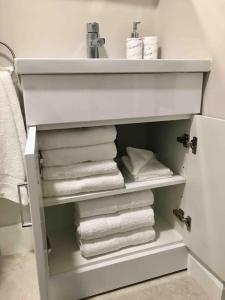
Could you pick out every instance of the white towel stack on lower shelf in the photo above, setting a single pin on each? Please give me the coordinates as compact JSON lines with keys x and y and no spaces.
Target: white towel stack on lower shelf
{"x":109,"y":224}
{"x":141,"y":165}
{"x":79,"y":161}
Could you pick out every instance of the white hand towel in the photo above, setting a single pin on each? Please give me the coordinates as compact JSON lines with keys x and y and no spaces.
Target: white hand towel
{"x":67,"y":187}
{"x":80,"y":170}
{"x":115,"y":242}
{"x":12,"y":140}
{"x":68,"y":156}
{"x":153,"y":170}
{"x":138,"y":158}
{"x":100,"y":226}
{"x":69,"y":138}
{"x":113,"y":204}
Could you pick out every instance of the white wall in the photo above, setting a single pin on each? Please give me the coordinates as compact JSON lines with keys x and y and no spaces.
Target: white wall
{"x":196,"y":29}
{"x":57,"y":28}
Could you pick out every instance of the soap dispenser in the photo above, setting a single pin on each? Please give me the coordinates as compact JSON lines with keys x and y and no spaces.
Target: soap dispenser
{"x":134,"y":47}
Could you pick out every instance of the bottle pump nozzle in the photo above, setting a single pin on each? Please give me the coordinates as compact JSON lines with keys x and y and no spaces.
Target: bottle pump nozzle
{"x":135,"y":34}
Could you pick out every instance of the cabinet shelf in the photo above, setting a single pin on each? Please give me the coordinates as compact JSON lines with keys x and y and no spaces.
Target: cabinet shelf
{"x":66,"y":257}
{"x":129,"y":187}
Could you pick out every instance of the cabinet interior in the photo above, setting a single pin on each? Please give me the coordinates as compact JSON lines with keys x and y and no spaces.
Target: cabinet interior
{"x":161,"y":138}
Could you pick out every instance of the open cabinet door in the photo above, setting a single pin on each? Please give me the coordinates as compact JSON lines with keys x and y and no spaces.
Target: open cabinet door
{"x":37,"y":213}
{"x":205,"y":194}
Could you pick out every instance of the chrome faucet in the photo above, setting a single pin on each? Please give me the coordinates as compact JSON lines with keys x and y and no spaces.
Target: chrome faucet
{"x":94,"y":42}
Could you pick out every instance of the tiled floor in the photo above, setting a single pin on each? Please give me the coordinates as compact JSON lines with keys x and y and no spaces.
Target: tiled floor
{"x":18,"y":282}
{"x":179,"y":286}
{"x":18,"y":279}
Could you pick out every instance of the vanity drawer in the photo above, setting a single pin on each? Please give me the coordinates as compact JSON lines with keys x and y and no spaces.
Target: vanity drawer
{"x":52,"y":99}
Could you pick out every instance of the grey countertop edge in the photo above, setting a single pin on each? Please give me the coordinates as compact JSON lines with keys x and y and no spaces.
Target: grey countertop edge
{"x":39,"y":66}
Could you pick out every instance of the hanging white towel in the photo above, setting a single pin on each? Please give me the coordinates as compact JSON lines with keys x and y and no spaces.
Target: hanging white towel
{"x":80,"y":170}
{"x":69,"y":138}
{"x":139,"y":166}
{"x":68,"y":156}
{"x":113,"y":204}
{"x":100,"y":226}
{"x":115,"y":242}
{"x":12,"y":140}
{"x":97,"y":183}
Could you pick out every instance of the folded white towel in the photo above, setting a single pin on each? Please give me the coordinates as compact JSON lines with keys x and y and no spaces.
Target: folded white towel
{"x":12,"y":140}
{"x":115,"y":242}
{"x":69,"y":156}
{"x":80,"y":170}
{"x":67,"y":187}
{"x":104,"y":225}
{"x":69,"y":138}
{"x":137,"y":170}
{"x":153,"y":170}
{"x":138,"y":158}
{"x":113,"y":204}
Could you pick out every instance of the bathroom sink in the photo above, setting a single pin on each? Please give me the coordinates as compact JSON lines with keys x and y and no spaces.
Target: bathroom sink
{"x":109,"y":90}
{"x":85,"y":66}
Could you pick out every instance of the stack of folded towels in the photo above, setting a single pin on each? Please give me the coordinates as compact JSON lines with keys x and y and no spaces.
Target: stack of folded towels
{"x":141,"y":165}
{"x":79,"y":161}
{"x":109,"y":224}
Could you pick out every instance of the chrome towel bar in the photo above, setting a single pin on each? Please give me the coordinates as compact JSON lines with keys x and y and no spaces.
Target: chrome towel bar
{"x":9,"y":48}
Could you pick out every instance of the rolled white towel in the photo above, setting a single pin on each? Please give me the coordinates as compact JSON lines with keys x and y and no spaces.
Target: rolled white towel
{"x":80,"y":170}
{"x":100,"y":226}
{"x":79,"y":137}
{"x":67,"y":187}
{"x":69,"y":156}
{"x":113,"y":204}
{"x":115,"y":242}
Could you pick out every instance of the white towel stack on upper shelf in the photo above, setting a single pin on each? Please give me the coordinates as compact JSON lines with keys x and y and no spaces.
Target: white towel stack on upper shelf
{"x":109,"y":224}
{"x":141,"y":165}
{"x":79,"y":161}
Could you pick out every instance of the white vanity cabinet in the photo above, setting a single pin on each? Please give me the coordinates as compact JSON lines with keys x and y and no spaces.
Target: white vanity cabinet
{"x":153,"y":104}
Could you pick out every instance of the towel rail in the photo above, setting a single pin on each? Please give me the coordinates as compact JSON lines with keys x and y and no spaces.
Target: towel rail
{"x":9,"y":48}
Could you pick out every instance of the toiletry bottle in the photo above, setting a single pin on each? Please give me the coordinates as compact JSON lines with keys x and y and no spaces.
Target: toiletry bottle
{"x":150,"y":44}
{"x":134,"y":49}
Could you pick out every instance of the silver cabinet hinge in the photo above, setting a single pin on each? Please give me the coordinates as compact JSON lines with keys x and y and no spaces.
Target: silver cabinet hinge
{"x":188,"y":142}
{"x":179,"y":213}
{"x":40,"y":162}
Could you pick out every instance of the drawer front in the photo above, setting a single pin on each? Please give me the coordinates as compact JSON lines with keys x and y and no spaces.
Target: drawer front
{"x":52,"y":99}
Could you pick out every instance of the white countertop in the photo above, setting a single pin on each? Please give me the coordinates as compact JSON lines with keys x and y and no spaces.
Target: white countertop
{"x":92,"y":66}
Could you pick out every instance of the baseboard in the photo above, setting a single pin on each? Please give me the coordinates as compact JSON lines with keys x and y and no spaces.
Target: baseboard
{"x":14,"y":239}
{"x":209,"y":283}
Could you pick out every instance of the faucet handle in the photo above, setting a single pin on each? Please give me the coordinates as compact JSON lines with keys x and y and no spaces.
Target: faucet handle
{"x":93,"y":27}
{"x":98,"y":42}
